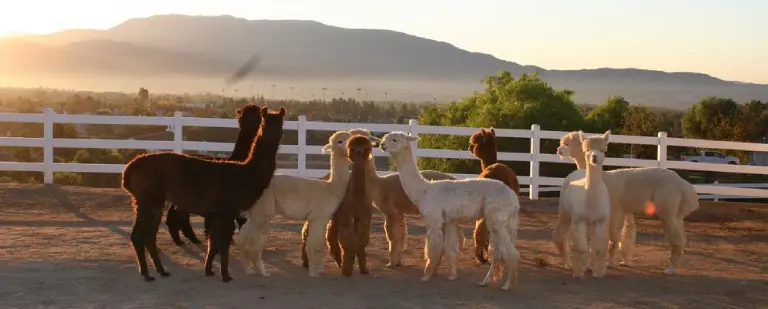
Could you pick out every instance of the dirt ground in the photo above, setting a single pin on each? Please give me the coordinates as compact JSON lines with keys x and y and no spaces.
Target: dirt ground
{"x":67,"y":247}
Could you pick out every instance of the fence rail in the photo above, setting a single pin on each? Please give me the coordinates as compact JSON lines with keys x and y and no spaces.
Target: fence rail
{"x":536,"y":182}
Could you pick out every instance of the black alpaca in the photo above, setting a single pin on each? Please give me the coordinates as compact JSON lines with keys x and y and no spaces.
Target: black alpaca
{"x":248,"y":120}
{"x":220,"y":190}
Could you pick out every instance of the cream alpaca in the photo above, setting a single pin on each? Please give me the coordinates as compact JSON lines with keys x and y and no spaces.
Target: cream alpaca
{"x":315,"y":202}
{"x":587,"y":204}
{"x":630,"y":190}
{"x":447,"y":203}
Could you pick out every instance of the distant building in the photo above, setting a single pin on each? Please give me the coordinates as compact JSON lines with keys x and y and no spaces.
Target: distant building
{"x":197,"y":105}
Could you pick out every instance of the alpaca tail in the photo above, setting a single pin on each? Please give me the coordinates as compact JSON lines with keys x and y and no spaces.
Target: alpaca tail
{"x":690,"y":198}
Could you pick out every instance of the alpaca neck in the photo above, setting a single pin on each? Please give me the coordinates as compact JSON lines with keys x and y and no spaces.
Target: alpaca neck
{"x":358,"y":178}
{"x":265,"y":148}
{"x":413,"y":183}
{"x":581,"y":162}
{"x":243,"y":145}
{"x":372,"y":177}
{"x":594,"y":175}
{"x":488,"y":159}
{"x":339,"y":177}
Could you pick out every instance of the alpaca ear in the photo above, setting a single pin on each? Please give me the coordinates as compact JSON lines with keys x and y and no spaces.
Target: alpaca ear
{"x":411,"y":138}
{"x":492,"y":131}
{"x":264,"y":111}
{"x":580,"y":135}
{"x":282,"y":111}
{"x":374,"y":139}
{"x":327,"y":148}
{"x":239,"y":112}
{"x":607,"y":135}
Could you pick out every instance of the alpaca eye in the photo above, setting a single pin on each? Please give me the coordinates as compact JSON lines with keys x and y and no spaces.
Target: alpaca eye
{"x":394,"y":140}
{"x":340,"y":142}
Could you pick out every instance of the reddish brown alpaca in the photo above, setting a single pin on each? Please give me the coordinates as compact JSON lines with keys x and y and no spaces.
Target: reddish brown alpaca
{"x":350,"y":228}
{"x":483,"y":146}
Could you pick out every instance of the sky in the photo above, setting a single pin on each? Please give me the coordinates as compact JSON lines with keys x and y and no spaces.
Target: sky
{"x":723,"y":38}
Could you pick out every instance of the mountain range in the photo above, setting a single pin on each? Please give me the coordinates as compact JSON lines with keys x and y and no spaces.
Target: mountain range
{"x":308,"y":54}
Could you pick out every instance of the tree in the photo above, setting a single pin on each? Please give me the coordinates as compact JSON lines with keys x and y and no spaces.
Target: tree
{"x":752,"y":122}
{"x":641,"y":121}
{"x":712,"y":118}
{"x":608,"y":116}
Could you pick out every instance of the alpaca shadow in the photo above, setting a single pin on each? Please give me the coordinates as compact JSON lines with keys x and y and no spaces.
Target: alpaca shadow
{"x":60,"y":196}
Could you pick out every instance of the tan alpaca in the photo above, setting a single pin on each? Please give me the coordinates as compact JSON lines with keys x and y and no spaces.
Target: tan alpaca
{"x":631,"y":191}
{"x":350,"y":228}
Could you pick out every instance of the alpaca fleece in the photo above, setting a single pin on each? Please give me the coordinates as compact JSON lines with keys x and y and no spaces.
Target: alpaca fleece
{"x":248,"y":120}
{"x":630,"y":190}
{"x":445,"y":204}
{"x":220,"y":189}
{"x":316,"y":204}
{"x":349,"y":231}
{"x":482,"y":145}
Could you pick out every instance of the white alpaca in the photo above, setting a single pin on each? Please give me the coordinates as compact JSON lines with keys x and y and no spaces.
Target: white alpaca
{"x":445,"y":204}
{"x":636,"y":191}
{"x":587,"y":203}
{"x":298,"y":198}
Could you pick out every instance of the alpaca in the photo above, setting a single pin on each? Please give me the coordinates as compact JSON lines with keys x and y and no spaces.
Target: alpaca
{"x":228,"y":189}
{"x":349,"y":231}
{"x":631,"y":190}
{"x":587,"y":203}
{"x":483,"y":146}
{"x":316,"y":204}
{"x":444,"y":204}
{"x":248,"y":120}
{"x":390,"y":199}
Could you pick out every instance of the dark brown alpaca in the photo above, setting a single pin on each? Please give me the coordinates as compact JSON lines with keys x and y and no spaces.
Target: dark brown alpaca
{"x":220,"y":190}
{"x":483,"y":146}
{"x":248,"y":120}
{"x":349,"y":231}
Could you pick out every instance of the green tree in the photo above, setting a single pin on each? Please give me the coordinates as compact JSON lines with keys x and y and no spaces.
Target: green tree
{"x":712,"y":118}
{"x":640,"y":121}
{"x":608,"y":116}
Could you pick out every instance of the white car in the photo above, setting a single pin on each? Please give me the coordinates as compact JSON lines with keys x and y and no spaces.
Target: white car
{"x":710,"y":156}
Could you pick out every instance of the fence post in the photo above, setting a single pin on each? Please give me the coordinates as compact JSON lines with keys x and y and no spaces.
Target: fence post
{"x":48,"y":146}
{"x":301,"y":146}
{"x":533,"y":194}
{"x":413,"y":129}
{"x":661,"y":151}
{"x":178,"y":132}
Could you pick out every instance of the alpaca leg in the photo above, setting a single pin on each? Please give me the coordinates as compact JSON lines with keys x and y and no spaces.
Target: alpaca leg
{"x":560,"y":236}
{"x":315,"y":248}
{"x":598,"y":245}
{"x":226,"y":226}
{"x":332,"y":240}
{"x":451,"y":249}
{"x":481,"y":242}
{"x":395,"y":229}
{"x":614,"y":232}
{"x":304,"y":259}
{"x":240,"y":221}
{"x":362,"y":238}
{"x":673,"y":230}
{"x":261,"y":226}
{"x":581,"y":250}
{"x":245,"y":242}
{"x":186,"y":227}
{"x":433,"y":249}
{"x":460,"y":232}
{"x":151,"y":243}
{"x":213,"y":245}
{"x":172,"y":222}
{"x":141,"y":224}
{"x":347,"y":241}
{"x":628,"y":237}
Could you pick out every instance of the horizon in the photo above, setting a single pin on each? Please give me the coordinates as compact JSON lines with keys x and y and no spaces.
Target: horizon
{"x":669,"y":37}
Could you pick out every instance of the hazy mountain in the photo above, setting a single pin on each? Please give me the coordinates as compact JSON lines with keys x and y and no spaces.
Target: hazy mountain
{"x":303,"y":50}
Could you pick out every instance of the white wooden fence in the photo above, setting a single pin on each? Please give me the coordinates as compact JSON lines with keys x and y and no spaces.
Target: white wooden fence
{"x":535,"y":181}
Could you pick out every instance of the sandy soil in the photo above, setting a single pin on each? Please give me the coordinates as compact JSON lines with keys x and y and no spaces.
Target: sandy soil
{"x":67,"y":247}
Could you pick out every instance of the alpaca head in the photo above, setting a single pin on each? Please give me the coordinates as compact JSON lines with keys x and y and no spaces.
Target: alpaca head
{"x":395,"y":142}
{"x":570,"y":145}
{"x":249,"y":118}
{"x":360,"y":131}
{"x":483,"y":143}
{"x":337,"y":143}
{"x":594,"y":148}
{"x":359,"y":149}
{"x":271,"y":125}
